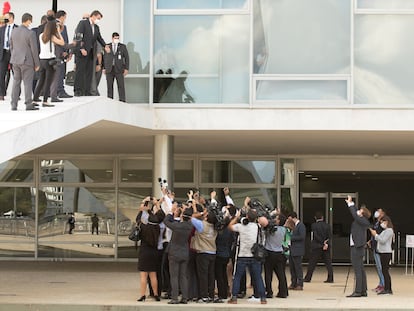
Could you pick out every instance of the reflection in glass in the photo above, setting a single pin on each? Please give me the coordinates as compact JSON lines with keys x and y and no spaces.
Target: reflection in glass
{"x":183,"y":171}
{"x":137,"y":89}
{"x":76,"y":170}
{"x":16,"y":171}
{"x":58,"y":204}
{"x":302,"y":90}
{"x":385,"y":4}
{"x":287,"y":172}
{"x":136,"y":170}
{"x":238,"y":171}
{"x":280,"y":40}
{"x":129,"y":201}
{"x":266,"y":196}
{"x":203,"y":47}
{"x":383,"y":48}
{"x":201,"y":4}
{"x":137,"y":34}
{"x":287,"y":196}
{"x":17,"y":222}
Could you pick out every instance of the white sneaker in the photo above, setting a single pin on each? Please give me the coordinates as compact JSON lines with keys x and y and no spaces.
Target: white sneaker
{"x":253,"y":299}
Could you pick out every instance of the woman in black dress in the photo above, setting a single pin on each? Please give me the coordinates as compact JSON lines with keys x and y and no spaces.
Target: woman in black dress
{"x":150,"y":216}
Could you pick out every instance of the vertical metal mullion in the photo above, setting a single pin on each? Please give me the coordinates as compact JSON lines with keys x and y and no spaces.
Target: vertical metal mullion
{"x":250,"y":10}
{"x":353,"y":7}
{"x":151,"y":56}
{"x":117,"y":180}
{"x":36,"y":185}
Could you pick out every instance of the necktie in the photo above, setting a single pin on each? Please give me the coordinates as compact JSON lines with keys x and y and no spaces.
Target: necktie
{"x":114,"y":47}
{"x":8,"y":37}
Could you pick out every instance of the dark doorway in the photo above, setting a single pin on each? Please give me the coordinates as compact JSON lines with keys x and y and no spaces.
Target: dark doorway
{"x":390,"y":191}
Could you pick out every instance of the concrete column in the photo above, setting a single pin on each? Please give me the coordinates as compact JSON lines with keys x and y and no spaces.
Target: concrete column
{"x":163,"y":162}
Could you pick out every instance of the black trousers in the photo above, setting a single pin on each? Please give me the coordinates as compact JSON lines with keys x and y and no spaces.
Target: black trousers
{"x":4,"y":70}
{"x":120,"y":82}
{"x":83,"y":74}
{"x":46,"y":75}
{"x":385,"y":264}
{"x":317,"y":253}
{"x":221,"y":276}
{"x":205,"y":273}
{"x":276,"y":262}
{"x":357,"y":260}
{"x":296,"y":272}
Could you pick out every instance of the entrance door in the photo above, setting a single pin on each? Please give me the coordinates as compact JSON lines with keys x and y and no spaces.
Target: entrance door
{"x":332,"y":205}
{"x":340,"y":220}
{"x":312,"y":203}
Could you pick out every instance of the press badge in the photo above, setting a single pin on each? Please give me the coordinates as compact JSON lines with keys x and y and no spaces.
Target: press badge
{"x":119,"y":56}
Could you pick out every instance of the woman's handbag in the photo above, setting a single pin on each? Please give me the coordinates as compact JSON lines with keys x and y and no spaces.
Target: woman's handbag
{"x":135,"y":235}
{"x":258,"y":250}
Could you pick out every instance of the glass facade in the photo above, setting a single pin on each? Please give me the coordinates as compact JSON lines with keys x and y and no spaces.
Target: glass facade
{"x":255,"y":52}
{"x":35,"y":211}
{"x":35,"y":208}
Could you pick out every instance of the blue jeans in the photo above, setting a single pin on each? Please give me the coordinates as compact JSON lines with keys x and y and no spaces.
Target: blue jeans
{"x":379,"y":267}
{"x":255,"y":269}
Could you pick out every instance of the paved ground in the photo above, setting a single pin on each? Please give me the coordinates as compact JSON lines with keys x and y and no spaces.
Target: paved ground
{"x":114,"y":286}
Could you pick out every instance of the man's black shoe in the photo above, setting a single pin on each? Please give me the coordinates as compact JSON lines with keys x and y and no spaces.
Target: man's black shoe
{"x":354,"y":295}
{"x":37,"y":100}
{"x":14,"y":109}
{"x":47,"y":105}
{"x":65,"y":95}
{"x":173,"y":302}
{"x":183,"y":301}
{"x":306,"y":280}
{"x":31,"y":107}
{"x":56,"y":100}
{"x":269,"y":295}
{"x":328,"y":281}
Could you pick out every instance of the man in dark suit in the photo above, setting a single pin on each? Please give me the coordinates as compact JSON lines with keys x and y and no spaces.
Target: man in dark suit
{"x":179,"y":253}
{"x":358,"y":241}
{"x":5,"y":35}
{"x":116,"y":65}
{"x":25,"y":61}
{"x":320,"y":247}
{"x":87,"y":33}
{"x":297,"y":250}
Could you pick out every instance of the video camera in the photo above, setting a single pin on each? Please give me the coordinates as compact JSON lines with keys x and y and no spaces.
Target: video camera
{"x":264,"y":211}
{"x":216,"y":210}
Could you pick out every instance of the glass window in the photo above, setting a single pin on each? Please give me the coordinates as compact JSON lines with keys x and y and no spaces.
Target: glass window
{"x":137,"y":89}
{"x":16,"y":171}
{"x":318,"y":44}
{"x":320,"y":90}
{"x":287,"y":172}
{"x":266,"y":196}
{"x":58,"y":239}
{"x":17,"y":222}
{"x":129,"y":201}
{"x":136,"y":170}
{"x":383,"y":48}
{"x":385,"y":4}
{"x":287,"y":200}
{"x":137,"y":28}
{"x":76,"y":170}
{"x":184,"y":171}
{"x":201,"y":4}
{"x":195,"y":59}
{"x":238,"y":171}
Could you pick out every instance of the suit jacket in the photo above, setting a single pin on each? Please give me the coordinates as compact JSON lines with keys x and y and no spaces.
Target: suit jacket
{"x":358,"y":228}
{"x":178,"y":248}
{"x":116,"y":62}
{"x":321,"y":232}
{"x":85,"y":28}
{"x":23,"y":47}
{"x":2,"y":35}
{"x":297,"y":239}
